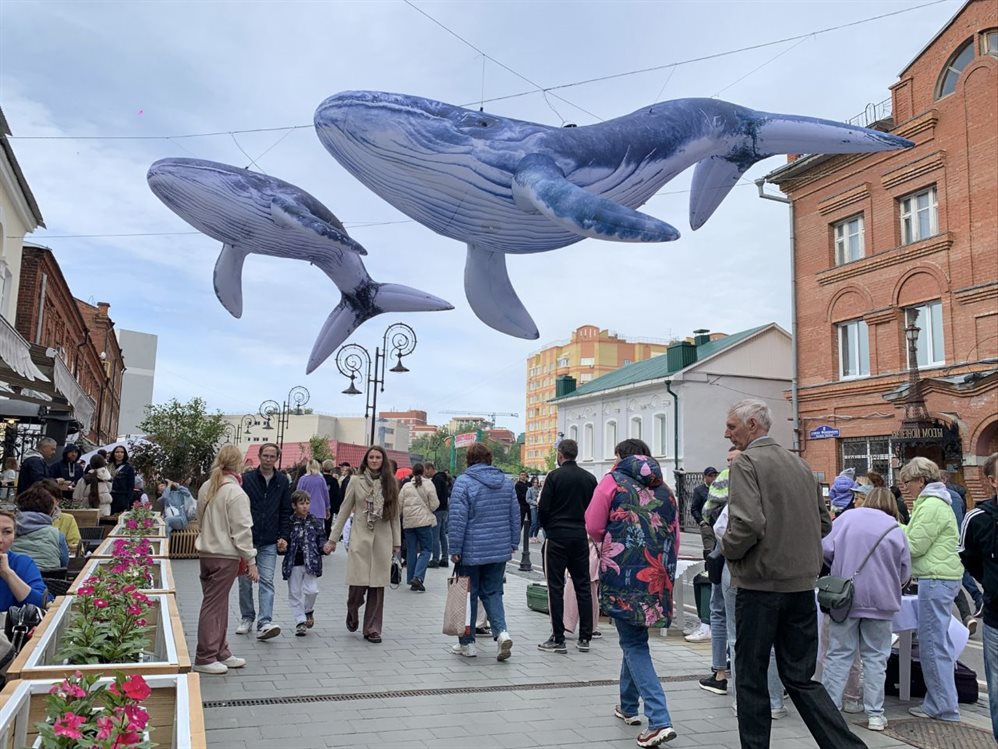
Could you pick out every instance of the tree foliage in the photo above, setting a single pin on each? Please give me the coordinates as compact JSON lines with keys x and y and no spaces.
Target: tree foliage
{"x":184,"y":439}
{"x":318,"y":447}
{"x":436,"y":448}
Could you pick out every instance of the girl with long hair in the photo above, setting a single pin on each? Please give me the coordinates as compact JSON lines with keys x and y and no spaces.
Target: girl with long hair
{"x":372,"y":497}
{"x":225,"y":541}
{"x":419,"y":501}
{"x":123,"y":484}
{"x":313,"y":482}
{"x":94,"y":490}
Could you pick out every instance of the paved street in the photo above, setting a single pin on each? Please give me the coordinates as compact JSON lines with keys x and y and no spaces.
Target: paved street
{"x":532,"y":700}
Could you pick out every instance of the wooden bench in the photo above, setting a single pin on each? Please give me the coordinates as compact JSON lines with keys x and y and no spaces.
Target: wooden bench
{"x":182,"y":542}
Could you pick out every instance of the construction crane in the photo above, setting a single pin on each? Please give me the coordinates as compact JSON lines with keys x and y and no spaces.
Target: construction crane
{"x":491,"y":414}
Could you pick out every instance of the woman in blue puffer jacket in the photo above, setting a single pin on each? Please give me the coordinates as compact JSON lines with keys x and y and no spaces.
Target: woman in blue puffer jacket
{"x":484,"y":531}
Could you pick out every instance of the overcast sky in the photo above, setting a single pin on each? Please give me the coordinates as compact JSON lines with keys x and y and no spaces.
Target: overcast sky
{"x":175,"y":68}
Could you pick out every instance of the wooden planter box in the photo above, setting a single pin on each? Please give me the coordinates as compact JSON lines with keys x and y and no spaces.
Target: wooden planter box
{"x":160,"y":547}
{"x":175,"y":711}
{"x":162,"y":575}
{"x":158,"y":527}
{"x":169,"y":650}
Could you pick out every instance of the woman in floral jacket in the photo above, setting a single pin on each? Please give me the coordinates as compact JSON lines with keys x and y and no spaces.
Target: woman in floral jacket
{"x":633,"y":517}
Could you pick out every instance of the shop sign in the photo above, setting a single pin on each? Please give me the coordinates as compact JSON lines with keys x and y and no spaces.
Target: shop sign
{"x":918,"y":433}
{"x":465,"y":440}
{"x":824,"y":432}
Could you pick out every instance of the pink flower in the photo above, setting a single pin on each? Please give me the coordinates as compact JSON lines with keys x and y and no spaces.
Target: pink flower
{"x":136,"y":688}
{"x":128,"y":588}
{"x":69,"y":725}
{"x":140,"y":622}
{"x":132,"y":524}
{"x":100,"y":603}
{"x":85,"y":590}
{"x":608,"y":551}
{"x":104,"y":726}
{"x":137,"y":716}
{"x":134,"y":610}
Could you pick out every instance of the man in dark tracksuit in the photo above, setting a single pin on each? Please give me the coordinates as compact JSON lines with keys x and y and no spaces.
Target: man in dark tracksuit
{"x":561,"y":512}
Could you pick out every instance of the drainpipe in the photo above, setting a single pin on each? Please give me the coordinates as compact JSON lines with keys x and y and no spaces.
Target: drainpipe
{"x":675,"y":421}
{"x":794,"y":404}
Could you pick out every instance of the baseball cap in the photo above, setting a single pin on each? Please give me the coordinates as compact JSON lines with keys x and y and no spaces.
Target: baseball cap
{"x":710,"y":471}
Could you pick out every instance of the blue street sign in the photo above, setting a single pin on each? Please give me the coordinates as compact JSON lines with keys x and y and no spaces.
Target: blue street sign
{"x":824,"y":432}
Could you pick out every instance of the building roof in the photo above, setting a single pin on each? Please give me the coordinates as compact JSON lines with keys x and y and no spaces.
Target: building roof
{"x":932,"y":41}
{"x":657,"y":367}
{"x":22,"y":182}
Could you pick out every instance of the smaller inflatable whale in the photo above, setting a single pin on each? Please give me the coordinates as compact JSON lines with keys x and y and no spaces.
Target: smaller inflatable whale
{"x":252,"y":213}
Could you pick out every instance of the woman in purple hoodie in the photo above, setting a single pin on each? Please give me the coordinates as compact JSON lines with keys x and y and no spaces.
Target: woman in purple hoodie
{"x":869,"y":532}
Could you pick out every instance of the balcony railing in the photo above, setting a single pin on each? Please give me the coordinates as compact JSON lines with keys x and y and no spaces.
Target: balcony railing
{"x":872,"y":114}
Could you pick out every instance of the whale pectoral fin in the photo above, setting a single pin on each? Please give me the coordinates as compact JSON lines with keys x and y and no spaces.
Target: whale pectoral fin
{"x":713,"y":179}
{"x":229,"y":279}
{"x":292,"y":216}
{"x":491,"y":295}
{"x":540,"y":185}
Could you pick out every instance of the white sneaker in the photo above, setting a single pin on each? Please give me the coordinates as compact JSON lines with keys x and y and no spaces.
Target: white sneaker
{"x":244,"y":627}
{"x":876,"y":723}
{"x":267,"y":631}
{"x":504,"y":646}
{"x":779,"y":712}
{"x":234,"y":662}
{"x":468,"y":651}
{"x":700,"y":634}
{"x":218,"y":668}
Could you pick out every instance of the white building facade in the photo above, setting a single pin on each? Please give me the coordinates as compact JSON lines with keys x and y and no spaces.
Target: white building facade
{"x":677,"y":402}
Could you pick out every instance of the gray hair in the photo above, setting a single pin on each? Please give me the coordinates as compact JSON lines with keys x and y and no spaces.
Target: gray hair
{"x":920,"y":468}
{"x":44,"y":441}
{"x":752,"y":408}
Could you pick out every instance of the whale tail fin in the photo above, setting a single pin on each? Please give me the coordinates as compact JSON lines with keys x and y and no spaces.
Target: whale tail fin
{"x":364,"y":303}
{"x":771,"y":134}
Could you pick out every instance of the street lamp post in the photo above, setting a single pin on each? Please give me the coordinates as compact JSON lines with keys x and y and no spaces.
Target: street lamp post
{"x":281,"y":412}
{"x":354,"y":361}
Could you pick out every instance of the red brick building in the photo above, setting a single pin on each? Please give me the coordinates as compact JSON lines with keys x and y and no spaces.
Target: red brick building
{"x":884,"y":241}
{"x":50,"y":317}
{"x":410,"y":418}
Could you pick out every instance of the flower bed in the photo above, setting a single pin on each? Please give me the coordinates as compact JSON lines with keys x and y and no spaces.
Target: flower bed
{"x":98,"y":633}
{"x":113,"y":546}
{"x":173,"y":703}
{"x":140,"y":521}
{"x":157,"y":576}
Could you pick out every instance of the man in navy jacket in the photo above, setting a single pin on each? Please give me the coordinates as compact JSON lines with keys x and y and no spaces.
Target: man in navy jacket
{"x":269,"y":492}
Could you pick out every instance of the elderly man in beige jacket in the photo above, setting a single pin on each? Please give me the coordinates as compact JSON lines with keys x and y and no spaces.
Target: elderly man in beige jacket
{"x":776,"y":520}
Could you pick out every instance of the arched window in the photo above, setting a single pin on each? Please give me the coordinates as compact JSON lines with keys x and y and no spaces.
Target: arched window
{"x":951,"y":72}
{"x":587,"y":442}
{"x":635,"y":432}
{"x":660,"y":437}
{"x":609,"y":439}
{"x":573,"y":433}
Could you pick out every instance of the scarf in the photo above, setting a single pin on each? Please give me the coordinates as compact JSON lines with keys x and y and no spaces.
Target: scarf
{"x":374,"y":499}
{"x":237,"y":476}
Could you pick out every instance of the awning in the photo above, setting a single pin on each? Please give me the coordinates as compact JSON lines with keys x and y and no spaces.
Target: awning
{"x":16,"y":365}
{"x":41,"y":378}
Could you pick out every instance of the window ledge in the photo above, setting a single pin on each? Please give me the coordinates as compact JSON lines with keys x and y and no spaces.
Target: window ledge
{"x":853,"y":378}
{"x":894,"y":256}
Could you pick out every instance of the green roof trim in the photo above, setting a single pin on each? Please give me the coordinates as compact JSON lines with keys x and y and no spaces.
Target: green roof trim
{"x":657,"y":367}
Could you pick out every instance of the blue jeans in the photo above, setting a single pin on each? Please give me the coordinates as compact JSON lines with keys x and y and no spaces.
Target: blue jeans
{"x":935,"y":650}
{"x":535,"y":523}
{"x":175,"y":523}
{"x":415,"y":564}
{"x":266,"y":561}
{"x":872,"y":639}
{"x":439,"y":544}
{"x":718,"y":630}
{"x":991,"y":673}
{"x":638,"y":677}
{"x":486,"y":583}
{"x":773,"y":674}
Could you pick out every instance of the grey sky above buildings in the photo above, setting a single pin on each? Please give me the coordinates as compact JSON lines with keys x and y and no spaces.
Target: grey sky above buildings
{"x":148,"y":69}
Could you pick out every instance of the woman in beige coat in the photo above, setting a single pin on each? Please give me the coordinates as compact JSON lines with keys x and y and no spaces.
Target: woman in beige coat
{"x":226,"y":539}
{"x":419,"y":502}
{"x":372,"y":497}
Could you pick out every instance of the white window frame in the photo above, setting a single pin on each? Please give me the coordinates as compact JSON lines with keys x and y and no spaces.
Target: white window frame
{"x":909,"y":215}
{"x":929,"y":319}
{"x":843,"y":233}
{"x":609,"y":438}
{"x":573,"y":433}
{"x":589,"y":432}
{"x":660,"y":436}
{"x":587,"y":361}
{"x":634,"y":431}
{"x":562,"y":361}
{"x":860,"y":332}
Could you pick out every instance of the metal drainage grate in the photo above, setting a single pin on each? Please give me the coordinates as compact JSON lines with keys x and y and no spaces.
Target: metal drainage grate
{"x":402,"y":693}
{"x":932,"y":734}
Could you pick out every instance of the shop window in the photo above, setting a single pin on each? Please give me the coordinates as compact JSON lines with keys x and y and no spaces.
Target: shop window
{"x":919,"y":214}
{"x":928,"y":318}
{"x":854,"y":350}
{"x":865,"y":453}
{"x":848,"y":240}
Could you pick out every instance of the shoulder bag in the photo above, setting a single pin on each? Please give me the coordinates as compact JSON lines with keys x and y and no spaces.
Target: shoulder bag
{"x":835,"y":593}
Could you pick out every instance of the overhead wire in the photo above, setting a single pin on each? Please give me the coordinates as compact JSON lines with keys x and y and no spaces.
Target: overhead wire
{"x":536,"y":89}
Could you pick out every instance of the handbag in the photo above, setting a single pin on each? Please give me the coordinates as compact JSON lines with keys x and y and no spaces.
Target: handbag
{"x":835,"y":593}
{"x":457,"y":608}
{"x":396,"y":571}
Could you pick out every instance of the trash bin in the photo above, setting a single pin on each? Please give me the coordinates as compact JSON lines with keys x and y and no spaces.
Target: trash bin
{"x":701,"y":593}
